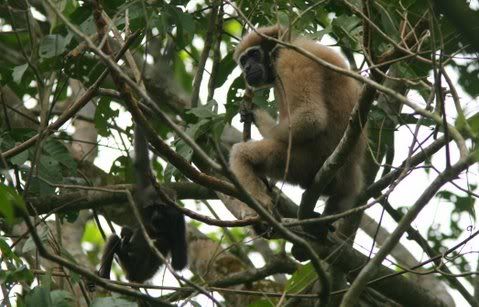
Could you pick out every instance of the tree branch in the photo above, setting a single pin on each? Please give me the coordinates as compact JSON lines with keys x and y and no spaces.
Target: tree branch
{"x":371,"y":268}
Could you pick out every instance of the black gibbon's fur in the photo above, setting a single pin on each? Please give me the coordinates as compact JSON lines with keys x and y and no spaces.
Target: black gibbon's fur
{"x":314,"y":105}
{"x":164,"y":224}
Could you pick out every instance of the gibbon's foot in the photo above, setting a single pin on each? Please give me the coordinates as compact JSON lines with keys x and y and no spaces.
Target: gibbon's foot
{"x":264,"y":230}
{"x":246,"y":115}
{"x":321,"y":232}
{"x":300,"y":254}
{"x":260,"y":228}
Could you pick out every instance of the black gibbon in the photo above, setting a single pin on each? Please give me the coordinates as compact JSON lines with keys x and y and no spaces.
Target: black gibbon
{"x":314,"y":107}
{"x":164,"y":224}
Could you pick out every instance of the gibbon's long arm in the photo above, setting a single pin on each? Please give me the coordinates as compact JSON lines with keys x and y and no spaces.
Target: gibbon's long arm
{"x":143,"y":174}
{"x":112,"y":246}
{"x":177,"y":237}
{"x":305,"y":125}
{"x":264,"y":122}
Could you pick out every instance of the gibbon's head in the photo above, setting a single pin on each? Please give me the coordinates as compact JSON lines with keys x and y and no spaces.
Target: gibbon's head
{"x":255,"y":55}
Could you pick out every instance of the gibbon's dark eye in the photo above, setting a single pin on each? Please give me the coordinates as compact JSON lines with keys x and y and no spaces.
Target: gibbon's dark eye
{"x":242,"y":60}
{"x":255,"y":54}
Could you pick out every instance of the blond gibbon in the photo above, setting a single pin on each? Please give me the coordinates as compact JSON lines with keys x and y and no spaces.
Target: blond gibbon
{"x":314,"y":107}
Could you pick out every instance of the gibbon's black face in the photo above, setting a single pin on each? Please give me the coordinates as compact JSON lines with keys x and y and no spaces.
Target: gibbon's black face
{"x":257,"y":67}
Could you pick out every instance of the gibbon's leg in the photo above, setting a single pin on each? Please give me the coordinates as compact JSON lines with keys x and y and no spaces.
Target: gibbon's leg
{"x":249,"y":161}
{"x":349,"y":183}
{"x":347,"y":186}
{"x":112,"y":247}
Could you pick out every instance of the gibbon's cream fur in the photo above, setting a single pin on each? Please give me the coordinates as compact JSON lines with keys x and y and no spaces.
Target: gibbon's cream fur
{"x":314,"y":106}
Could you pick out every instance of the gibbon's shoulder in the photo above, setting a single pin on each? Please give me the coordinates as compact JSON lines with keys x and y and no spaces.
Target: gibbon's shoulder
{"x":290,"y":57}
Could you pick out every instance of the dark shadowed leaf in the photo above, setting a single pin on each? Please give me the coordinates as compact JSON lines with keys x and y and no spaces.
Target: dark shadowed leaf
{"x":39,"y":296}
{"x":112,"y":302}
{"x":53,"y":45}
{"x":62,"y":298}
{"x":18,"y":72}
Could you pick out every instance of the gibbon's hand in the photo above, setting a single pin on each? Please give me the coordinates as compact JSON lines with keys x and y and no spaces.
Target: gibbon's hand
{"x":246,"y":115}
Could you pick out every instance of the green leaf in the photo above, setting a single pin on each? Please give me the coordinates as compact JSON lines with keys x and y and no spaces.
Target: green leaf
{"x":103,"y":114}
{"x":197,"y":129}
{"x":348,"y":29}
{"x":6,"y":205}
{"x":225,"y":67}
{"x":474,"y":122}
{"x":185,"y":25}
{"x":39,"y":296}
{"x":53,"y":45}
{"x":187,"y":22}
{"x":61,"y":298}
{"x":465,"y":204}
{"x":9,"y":199}
{"x":389,"y":22}
{"x":136,"y":15}
{"x":194,"y":303}
{"x":18,"y":72}
{"x":74,"y":277}
{"x":30,"y":246}
{"x":205,"y":111}
{"x":66,"y":254}
{"x":233,"y":98}
{"x":58,"y":151}
{"x":17,"y":274}
{"x":5,"y":249}
{"x":283,"y":18}
{"x":49,"y":168}
{"x":112,"y":302}
{"x":46,"y":279}
{"x":91,"y":234}
{"x":327,"y":30}
{"x":20,"y":158}
{"x":70,"y":216}
{"x":122,"y":168}
{"x":171,"y":172}
{"x":49,"y":172}
{"x":184,"y":150}
{"x":88,"y":27}
{"x":304,"y":277}
{"x":260,"y":98}
{"x":232,"y":27}
{"x":158,"y":169}
{"x":217,"y":126}
{"x":262,"y":303}
{"x":182,"y":76}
